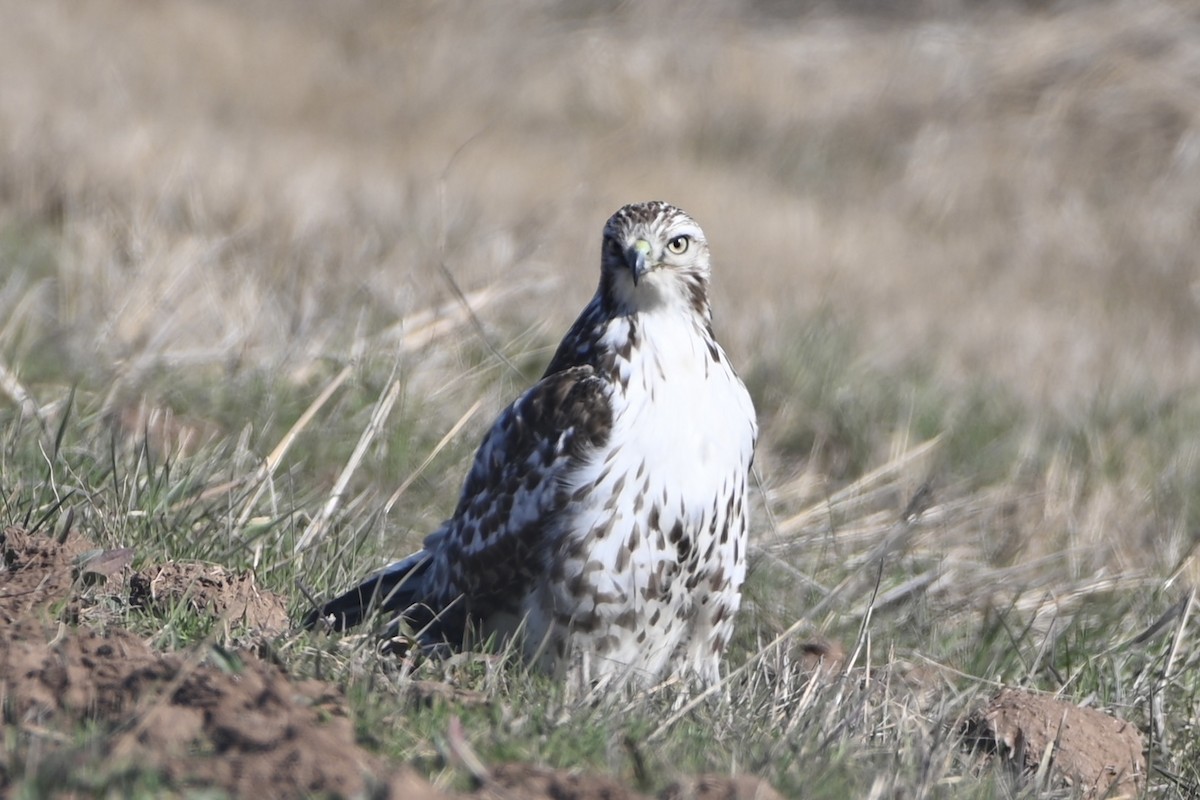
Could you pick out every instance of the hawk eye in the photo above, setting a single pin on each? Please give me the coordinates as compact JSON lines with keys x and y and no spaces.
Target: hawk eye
{"x":679,"y":245}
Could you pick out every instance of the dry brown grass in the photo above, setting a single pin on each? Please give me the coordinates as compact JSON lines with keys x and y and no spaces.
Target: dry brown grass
{"x":1014,"y":195}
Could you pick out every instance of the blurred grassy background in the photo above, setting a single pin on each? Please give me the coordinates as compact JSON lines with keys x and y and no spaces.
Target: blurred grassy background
{"x":978,"y":221}
{"x":1008,"y":194}
{"x":1002,"y":201}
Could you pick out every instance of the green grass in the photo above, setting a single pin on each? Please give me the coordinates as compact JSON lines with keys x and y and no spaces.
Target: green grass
{"x":843,"y":738}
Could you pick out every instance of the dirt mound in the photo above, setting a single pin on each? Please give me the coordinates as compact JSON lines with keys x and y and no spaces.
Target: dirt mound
{"x":240,"y":724}
{"x":248,"y":731}
{"x":1091,"y":752}
{"x":38,"y":570}
{"x":210,"y":589}
{"x":213,"y":719}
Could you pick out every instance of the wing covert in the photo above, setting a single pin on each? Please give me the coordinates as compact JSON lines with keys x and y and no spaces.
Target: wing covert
{"x":519,"y":482}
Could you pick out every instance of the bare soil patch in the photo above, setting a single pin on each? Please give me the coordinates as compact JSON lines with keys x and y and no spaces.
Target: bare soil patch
{"x":210,"y":589}
{"x":1088,"y":751}
{"x":250,"y":732}
{"x":243,"y":726}
{"x":232,"y":721}
{"x":38,"y":570}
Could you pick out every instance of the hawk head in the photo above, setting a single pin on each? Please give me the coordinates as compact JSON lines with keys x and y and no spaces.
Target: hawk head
{"x":654,"y":255}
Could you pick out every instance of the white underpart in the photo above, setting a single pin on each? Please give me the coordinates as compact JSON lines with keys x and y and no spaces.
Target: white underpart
{"x":682,"y":440}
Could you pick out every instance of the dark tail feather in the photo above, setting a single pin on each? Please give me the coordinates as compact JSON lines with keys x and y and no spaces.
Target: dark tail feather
{"x":394,"y":588}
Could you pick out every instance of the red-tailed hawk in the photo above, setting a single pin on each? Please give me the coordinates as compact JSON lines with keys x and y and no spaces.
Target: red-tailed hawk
{"x":604,"y":519}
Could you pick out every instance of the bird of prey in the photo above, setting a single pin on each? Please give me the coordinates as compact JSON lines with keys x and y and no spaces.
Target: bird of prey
{"x":604,"y":519}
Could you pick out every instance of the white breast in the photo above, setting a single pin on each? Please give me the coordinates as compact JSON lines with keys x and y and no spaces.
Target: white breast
{"x":680,"y":449}
{"x":687,"y":414}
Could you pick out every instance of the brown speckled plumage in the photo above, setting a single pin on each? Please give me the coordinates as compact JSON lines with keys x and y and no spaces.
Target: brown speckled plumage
{"x":604,"y":516}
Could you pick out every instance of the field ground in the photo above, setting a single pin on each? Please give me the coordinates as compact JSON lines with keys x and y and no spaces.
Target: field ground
{"x":267,"y":271}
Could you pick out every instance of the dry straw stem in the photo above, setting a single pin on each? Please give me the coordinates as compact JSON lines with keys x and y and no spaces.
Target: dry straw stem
{"x":1158,"y":705}
{"x":861,"y":491}
{"x":751,"y":662}
{"x":445,"y":440}
{"x":379,"y":416}
{"x":423,"y":328}
{"x":889,"y":538}
{"x":271,"y":462}
{"x":430,"y":325}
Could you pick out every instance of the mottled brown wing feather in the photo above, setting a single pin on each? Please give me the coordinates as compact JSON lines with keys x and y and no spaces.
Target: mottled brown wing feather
{"x":580,"y":345}
{"x":495,"y":544}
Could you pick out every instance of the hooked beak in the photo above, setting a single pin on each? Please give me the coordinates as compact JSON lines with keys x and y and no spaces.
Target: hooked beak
{"x":635,"y":257}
